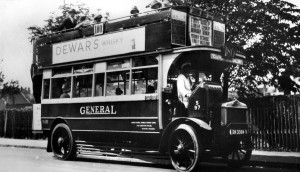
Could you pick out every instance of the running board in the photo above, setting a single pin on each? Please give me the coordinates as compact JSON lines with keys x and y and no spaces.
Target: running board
{"x":108,"y":151}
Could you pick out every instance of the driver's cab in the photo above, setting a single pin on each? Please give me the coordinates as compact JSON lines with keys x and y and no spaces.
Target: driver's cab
{"x":206,"y":92}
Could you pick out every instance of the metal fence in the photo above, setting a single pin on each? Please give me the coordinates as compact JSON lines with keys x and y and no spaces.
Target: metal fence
{"x":277,"y":120}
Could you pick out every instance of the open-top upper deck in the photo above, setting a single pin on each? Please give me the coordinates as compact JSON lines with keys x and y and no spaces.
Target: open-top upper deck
{"x":159,"y":30}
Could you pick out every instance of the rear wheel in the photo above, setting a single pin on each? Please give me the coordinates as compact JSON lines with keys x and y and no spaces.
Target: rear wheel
{"x":184,"y":148}
{"x":240,"y":154}
{"x":62,"y":142}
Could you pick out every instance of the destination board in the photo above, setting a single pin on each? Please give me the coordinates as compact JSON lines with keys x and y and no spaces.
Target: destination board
{"x":218,"y":57}
{"x":200,"y":31}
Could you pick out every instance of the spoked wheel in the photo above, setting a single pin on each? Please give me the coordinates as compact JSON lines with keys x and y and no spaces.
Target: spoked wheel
{"x":240,"y":154}
{"x":62,"y":142}
{"x":184,"y":148}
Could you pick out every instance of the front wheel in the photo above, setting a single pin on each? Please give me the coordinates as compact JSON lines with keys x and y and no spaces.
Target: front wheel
{"x":184,"y":148}
{"x":62,"y":142}
{"x":240,"y":154}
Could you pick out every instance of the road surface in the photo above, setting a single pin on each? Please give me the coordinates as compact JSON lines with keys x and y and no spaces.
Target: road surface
{"x":38,"y":160}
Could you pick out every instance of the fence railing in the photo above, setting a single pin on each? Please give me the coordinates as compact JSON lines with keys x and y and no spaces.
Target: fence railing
{"x":277,"y":119}
{"x":16,"y":123}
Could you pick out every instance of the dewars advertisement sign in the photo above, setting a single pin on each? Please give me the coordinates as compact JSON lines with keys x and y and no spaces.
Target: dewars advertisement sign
{"x":99,"y":46}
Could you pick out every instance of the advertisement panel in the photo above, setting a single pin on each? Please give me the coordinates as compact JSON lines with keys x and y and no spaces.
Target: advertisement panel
{"x":99,"y":46}
{"x":36,"y":119}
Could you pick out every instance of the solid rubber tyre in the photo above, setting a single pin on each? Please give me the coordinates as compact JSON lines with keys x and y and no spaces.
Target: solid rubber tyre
{"x":62,"y":142}
{"x":185,"y":148}
{"x":240,"y":155}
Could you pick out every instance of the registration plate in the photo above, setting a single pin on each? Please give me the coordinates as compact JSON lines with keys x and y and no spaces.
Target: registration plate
{"x":237,"y":131}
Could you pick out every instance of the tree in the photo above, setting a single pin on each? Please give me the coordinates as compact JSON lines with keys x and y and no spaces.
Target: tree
{"x":268,"y":31}
{"x":54,"y":20}
{"x":10,"y":88}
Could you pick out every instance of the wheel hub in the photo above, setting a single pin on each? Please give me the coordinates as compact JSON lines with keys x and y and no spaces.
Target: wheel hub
{"x":180,"y":148}
{"x":60,"y":141}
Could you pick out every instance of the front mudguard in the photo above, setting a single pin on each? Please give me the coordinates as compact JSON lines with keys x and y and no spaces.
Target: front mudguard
{"x":200,"y":126}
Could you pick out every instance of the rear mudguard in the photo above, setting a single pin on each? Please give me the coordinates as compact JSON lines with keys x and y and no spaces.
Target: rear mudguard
{"x":196,"y":123}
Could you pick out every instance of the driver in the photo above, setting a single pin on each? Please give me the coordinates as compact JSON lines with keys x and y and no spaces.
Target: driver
{"x":184,"y":84}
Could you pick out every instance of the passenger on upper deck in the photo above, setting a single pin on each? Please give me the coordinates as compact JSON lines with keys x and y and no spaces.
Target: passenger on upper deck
{"x":166,"y":4}
{"x":134,"y":11}
{"x":154,"y":5}
{"x":69,"y":22}
{"x":84,"y":21}
{"x":184,"y":84}
{"x":97,"y":19}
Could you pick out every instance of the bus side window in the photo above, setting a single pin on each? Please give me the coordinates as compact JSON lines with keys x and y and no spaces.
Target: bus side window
{"x":117,"y":83}
{"x":46,"y":88}
{"x":151,"y":75}
{"x":61,"y":87}
{"x":118,"y":64}
{"x":144,"y":61}
{"x":83,"y":86}
{"x":138,"y":82}
{"x":144,"y":81}
{"x":99,"y":84}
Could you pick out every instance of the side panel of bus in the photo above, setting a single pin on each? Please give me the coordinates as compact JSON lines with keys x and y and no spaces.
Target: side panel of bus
{"x":135,"y":121}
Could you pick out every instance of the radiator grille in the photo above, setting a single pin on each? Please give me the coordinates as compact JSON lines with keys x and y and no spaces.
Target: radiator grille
{"x":234,"y":115}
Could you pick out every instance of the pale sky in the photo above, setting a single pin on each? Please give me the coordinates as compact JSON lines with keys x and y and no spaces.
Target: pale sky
{"x":17,"y":15}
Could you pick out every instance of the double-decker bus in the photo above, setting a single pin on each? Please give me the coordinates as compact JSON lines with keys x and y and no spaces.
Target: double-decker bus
{"x":112,"y":87}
